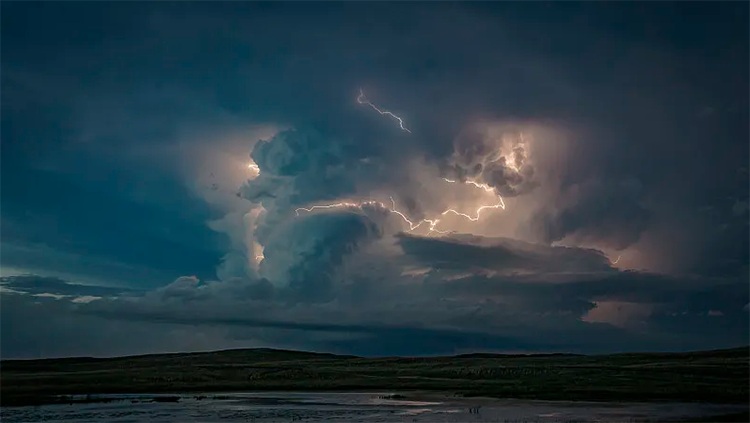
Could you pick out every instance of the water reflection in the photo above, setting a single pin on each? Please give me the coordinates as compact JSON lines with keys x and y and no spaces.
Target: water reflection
{"x":270,"y":407}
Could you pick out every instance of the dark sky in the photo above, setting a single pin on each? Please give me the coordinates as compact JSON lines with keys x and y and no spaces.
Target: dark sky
{"x":580,"y":172}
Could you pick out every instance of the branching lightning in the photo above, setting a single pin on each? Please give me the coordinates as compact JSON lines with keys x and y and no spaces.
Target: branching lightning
{"x":343,"y":204}
{"x":500,"y":203}
{"x":412,"y":226}
{"x":361,"y":99}
{"x":432,"y":223}
{"x":359,"y":205}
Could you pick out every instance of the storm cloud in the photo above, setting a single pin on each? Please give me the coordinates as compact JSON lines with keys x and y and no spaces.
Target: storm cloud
{"x":574,"y":177}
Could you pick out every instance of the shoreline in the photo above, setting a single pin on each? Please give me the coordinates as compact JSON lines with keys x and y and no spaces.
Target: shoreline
{"x":441,"y":396}
{"x":389,"y":398}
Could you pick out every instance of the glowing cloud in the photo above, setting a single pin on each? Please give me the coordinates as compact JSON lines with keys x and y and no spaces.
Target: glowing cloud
{"x":496,"y":157}
{"x":502,"y":157}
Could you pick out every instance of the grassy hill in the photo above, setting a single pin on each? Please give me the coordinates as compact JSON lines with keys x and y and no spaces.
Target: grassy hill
{"x":716,"y":376}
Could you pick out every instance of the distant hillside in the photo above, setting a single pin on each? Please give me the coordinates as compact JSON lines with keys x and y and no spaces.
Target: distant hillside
{"x":272,"y":354}
{"x":716,"y":376}
{"x":263,"y":354}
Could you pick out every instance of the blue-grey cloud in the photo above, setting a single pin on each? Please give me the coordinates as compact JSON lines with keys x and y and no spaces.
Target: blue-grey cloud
{"x":309,"y":251}
{"x":121,"y":166}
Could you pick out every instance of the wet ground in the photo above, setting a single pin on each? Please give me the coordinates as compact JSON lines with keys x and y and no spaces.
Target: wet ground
{"x":349,"y":407}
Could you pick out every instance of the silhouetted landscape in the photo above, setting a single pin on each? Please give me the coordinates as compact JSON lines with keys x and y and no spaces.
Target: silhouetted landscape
{"x":708,"y":376}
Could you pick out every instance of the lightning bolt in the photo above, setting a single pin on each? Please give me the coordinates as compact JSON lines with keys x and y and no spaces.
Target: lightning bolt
{"x":360,"y":205}
{"x":617,"y":260}
{"x":476,"y":184}
{"x":361,"y":99}
{"x":432,"y":223}
{"x":344,"y":204}
{"x":499,"y":205}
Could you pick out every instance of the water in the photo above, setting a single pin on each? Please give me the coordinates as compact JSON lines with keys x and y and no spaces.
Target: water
{"x":269,"y":407}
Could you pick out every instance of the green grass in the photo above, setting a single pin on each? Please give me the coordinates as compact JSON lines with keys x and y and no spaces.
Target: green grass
{"x":713,"y":376}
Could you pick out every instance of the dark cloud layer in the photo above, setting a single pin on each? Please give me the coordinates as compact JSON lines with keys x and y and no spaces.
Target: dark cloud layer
{"x":503,"y":255}
{"x":562,"y":306}
{"x":616,"y":135}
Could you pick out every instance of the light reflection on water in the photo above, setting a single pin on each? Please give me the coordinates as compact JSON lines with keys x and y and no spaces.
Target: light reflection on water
{"x":270,"y":407}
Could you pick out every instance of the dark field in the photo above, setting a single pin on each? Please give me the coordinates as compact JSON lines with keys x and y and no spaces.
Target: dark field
{"x":711,"y":376}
